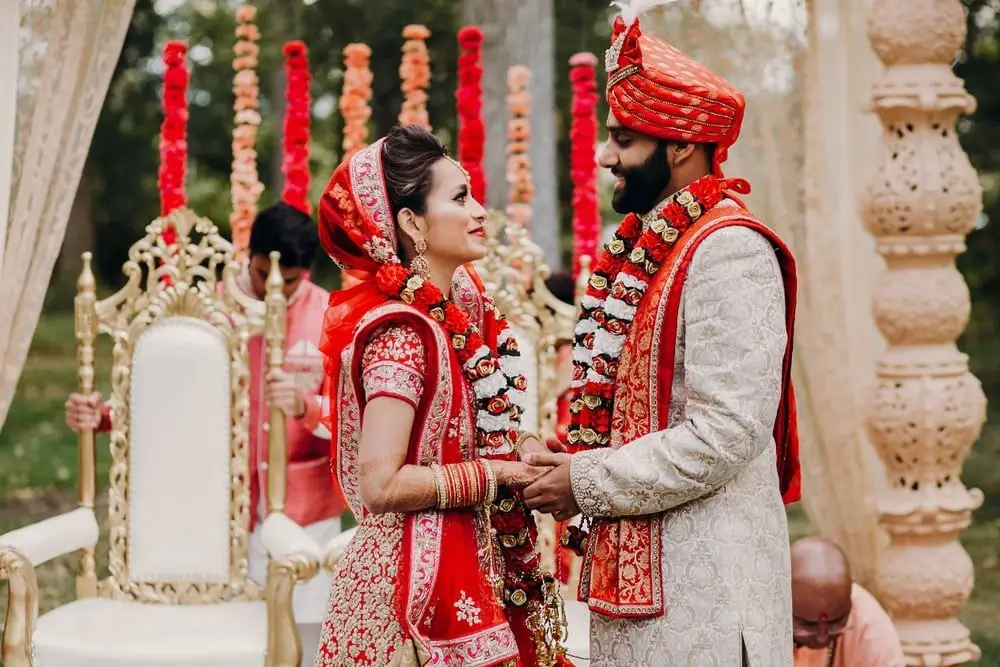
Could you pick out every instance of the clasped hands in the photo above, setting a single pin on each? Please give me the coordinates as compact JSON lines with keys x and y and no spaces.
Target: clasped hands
{"x":549,"y":490}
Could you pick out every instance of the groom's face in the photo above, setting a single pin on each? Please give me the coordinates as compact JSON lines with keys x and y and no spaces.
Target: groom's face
{"x":640,"y":164}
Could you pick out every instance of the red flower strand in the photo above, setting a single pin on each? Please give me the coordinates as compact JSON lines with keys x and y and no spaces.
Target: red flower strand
{"x":469,"y":104}
{"x":295,"y":143}
{"x":582,"y":159}
{"x":173,"y":132}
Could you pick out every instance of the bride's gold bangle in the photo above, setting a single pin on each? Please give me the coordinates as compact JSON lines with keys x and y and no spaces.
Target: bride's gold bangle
{"x":440,"y":486}
{"x":491,"y":482}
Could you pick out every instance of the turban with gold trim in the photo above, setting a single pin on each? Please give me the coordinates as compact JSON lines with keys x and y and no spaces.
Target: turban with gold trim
{"x":655,"y":89}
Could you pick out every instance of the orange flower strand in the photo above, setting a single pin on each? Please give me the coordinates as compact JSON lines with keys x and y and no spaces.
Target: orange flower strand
{"x":355,"y":98}
{"x":416,"y":31}
{"x":246,"y":13}
{"x":245,"y":187}
{"x":415,"y":75}
{"x":521,"y":190}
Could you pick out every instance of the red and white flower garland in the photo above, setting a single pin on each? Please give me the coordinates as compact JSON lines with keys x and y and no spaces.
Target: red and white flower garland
{"x":469,"y":104}
{"x":245,"y":187}
{"x":295,"y":140}
{"x":501,"y":398}
{"x":582,"y":158}
{"x":619,"y":281}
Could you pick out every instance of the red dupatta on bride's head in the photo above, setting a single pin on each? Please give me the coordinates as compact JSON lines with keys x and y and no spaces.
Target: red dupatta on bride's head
{"x":358,"y":232}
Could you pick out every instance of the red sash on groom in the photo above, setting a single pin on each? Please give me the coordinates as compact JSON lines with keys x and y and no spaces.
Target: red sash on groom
{"x":622,"y":574}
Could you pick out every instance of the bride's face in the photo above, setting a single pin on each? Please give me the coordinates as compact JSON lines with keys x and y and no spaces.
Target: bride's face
{"x":454,"y":222}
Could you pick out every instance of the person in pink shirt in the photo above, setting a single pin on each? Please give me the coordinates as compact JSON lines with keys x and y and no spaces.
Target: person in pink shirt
{"x":836,"y":622}
{"x":312,"y":499}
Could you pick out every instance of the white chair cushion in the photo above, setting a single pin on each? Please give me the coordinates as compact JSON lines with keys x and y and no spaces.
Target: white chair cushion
{"x":97,"y":632}
{"x":180,"y":450}
{"x":578,"y":640}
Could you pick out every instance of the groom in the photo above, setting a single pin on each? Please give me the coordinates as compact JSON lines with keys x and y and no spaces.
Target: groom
{"x":683,"y":418}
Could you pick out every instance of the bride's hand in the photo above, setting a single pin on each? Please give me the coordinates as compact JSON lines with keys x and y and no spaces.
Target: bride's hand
{"x":533,"y":445}
{"x":517,"y":475}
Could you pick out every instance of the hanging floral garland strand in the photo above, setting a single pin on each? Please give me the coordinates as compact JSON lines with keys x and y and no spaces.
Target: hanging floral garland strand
{"x":295,"y":141}
{"x":415,"y":72}
{"x":521,"y":190}
{"x":173,"y":133}
{"x":583,"y":159}
{"x":245,"y":187}
{"x":356,"y":97}
{"x":469,"y":103}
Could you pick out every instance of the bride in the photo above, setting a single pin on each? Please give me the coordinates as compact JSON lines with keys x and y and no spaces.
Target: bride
{"x":425,"y":415}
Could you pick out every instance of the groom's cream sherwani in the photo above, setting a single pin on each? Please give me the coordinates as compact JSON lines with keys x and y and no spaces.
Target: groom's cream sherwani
{"x":710,"y":477}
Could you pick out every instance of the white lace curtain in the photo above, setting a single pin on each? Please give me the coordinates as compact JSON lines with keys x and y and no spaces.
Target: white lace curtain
{"x":806,"y":72}
{"x":67,"y":50}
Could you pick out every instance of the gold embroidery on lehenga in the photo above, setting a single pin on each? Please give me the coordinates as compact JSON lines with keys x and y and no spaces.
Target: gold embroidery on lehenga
{"x":373,"y":557}
{"x":467,"y":610}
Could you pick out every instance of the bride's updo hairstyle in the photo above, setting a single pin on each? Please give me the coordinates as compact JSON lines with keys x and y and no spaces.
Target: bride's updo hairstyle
{"x":408,"y":154}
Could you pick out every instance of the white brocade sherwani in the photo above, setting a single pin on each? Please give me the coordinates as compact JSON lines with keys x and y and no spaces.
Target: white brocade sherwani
{"x":712,"y":475}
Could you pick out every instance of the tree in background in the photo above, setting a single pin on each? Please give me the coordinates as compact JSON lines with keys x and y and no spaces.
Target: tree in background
{"x":980,"y":136}
{"x":120,"y":177}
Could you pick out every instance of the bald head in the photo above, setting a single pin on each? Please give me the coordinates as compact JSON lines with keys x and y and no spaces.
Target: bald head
{"x":821,"y":590}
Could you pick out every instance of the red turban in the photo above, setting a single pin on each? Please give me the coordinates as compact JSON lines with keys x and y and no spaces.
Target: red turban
{"x":655,"y":89}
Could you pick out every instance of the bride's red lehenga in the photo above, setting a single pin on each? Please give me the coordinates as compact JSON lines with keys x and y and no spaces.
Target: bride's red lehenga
{"x":431,"y":587}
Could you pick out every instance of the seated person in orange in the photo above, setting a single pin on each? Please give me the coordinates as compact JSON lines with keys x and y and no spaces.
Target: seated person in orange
{"x":836,"y":622}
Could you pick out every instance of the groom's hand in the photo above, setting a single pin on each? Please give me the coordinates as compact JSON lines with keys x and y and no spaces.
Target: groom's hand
{"x":552,"y":494}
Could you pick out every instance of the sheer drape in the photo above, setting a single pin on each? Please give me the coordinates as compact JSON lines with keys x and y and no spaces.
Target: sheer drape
{"x":805,"y":116}
{"x":68,"y":50}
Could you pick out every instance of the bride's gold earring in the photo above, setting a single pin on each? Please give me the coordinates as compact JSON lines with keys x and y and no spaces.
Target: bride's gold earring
{"x":419,"y":263}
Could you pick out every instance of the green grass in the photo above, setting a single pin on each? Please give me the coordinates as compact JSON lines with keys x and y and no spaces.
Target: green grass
{"x":38,"y":473}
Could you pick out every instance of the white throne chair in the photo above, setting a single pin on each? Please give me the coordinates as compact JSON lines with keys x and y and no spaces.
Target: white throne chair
{"x":514,"y":272}
{"x":178,"y":591}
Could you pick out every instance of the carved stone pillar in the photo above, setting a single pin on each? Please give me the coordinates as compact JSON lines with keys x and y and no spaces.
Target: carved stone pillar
{"x":927,"y":409}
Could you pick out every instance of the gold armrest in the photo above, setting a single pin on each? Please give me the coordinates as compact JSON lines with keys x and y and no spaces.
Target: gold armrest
{"x":22,"y":607}
{"x":284,"y":645}
{"x":294,"y":557}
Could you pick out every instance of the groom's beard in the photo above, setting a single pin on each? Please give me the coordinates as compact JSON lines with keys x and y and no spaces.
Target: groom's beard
{"x":643,"y":184}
